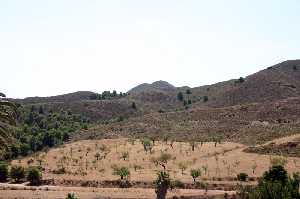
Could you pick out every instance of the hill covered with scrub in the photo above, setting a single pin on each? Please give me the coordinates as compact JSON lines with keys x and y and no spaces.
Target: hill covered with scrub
{"x":264,"y":104}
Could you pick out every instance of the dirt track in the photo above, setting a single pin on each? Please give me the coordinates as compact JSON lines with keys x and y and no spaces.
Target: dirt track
{"x":11,"y":191}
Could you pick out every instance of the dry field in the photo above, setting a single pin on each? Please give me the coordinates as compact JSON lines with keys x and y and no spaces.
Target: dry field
{"x":79,"y":162}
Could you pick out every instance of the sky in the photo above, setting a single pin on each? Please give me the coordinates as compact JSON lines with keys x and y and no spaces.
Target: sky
{"x":51,"y":47}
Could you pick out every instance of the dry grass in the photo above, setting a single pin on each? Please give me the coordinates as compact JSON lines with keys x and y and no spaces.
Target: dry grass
{"x":79,"y":160}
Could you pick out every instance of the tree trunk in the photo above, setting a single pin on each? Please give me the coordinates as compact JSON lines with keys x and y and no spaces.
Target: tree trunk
{"x":161,"y":191}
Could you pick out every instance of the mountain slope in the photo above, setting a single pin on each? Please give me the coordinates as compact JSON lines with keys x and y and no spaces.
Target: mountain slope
{"x":274,"y":83}
{"x":76,"y":96}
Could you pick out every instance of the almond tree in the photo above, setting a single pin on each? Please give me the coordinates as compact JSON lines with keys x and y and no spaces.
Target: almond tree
{"x":123,"y":172}
{"x":147,"y":144}
{"x":195,"y":173}
{"x":162,"y":184}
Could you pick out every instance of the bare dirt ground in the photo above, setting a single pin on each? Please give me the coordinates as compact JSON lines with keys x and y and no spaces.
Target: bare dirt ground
{"x":11,"y":191}
{"x":219,"y":164}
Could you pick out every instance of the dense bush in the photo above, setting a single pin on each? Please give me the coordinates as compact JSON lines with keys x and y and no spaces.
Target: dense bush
{"x":3,"y":172}
{"x":34,"y":176}
{"x":17,"y":173}
{"x":275,"y":184}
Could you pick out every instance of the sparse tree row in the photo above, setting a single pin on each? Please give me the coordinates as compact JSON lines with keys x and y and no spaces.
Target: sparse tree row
{"x":107,"y":95}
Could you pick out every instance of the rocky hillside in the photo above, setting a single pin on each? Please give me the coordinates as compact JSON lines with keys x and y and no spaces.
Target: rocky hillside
{"x":241,"y":123}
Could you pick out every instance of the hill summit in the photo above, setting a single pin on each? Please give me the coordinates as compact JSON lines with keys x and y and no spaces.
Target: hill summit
{"x":158,"y":86}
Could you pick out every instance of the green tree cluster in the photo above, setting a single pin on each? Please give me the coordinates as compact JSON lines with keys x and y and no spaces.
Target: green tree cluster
{"x":39,"y":128}
{"x":275,"y":184}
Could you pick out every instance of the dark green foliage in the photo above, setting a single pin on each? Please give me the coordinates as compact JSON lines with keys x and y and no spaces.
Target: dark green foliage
{"x":41,"y":110}
{"x":162,"y":184}
{"x":240,"y":80}
{"x":180,"y":96}
{"x":275,"y":184}
{"x":242,"y":177}
{"x":114,"y":94}
{"x":39,"y":128}
{"x":107,"y":95}
{"x":3,"y":172}
{"x":133,"y":105}
{"x":17,"y":173}
{"x":188,"y":92}
{"x":120,"y":119}
{"x":123,"y":172}
{"x":34,"y":176}
{"x":71,"y":196}
{"x":276,"y":173}
{"x":195,"y":173}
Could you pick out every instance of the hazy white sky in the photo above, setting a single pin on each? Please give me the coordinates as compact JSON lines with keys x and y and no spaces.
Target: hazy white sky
{"x":50,"y":47}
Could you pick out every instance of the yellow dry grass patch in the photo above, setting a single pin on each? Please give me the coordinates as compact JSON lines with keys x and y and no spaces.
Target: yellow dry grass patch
{"x":80,"y":162}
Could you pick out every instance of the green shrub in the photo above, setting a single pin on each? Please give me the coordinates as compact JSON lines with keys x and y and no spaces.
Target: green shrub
{"x":123,"y":172}
{"x":34,"y":176}
{"x":17,"y":173}
{"x":188,"y":92}
{"x":3,"y":172}
{"x":242,"y":177}
{"x":195,"y":173}
{"x":71,"y":196}
{"x":147,"y":144}
{"x":275,"y":184}
{"x":180,"y":96}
